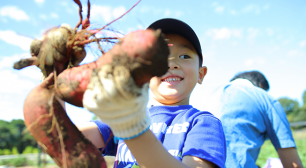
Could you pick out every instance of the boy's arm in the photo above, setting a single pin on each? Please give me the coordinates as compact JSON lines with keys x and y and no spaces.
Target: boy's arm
{"x":91,"y":131}
{"x":289,"y":158}
{"x":150,"y":153}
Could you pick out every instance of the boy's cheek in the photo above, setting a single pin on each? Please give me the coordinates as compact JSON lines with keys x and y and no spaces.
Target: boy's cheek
{"x":154,"y":81}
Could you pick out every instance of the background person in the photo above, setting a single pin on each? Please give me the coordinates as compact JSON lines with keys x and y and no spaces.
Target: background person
{"x":249,"y":115}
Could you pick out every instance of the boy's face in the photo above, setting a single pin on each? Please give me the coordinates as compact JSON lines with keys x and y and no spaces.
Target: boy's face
{"x":175,"y":87}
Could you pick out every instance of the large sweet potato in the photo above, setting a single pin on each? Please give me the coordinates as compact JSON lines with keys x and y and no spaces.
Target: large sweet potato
{"x":143,"y":52}
{"x":49,"y":124}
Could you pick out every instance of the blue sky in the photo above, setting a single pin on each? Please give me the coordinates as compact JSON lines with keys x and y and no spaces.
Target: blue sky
{"x":269,"y":36}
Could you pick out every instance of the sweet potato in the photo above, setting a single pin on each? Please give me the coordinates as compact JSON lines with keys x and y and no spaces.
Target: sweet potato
{"x":143,"y":52}
{"x":49,"y":124}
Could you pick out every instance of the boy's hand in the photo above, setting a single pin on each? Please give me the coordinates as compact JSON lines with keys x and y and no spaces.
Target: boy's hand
{"x":113,"y":96}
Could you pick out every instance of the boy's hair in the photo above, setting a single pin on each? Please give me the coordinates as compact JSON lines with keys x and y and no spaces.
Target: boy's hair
{"x":257,"y":79}
{"x":174,"y":26}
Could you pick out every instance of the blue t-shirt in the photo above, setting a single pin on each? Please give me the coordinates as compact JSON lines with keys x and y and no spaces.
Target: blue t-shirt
{"x":249,"y":115}
{"x":183,"y":130}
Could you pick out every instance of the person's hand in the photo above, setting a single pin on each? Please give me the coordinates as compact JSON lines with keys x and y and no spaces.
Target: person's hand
{"x":113,"y":95}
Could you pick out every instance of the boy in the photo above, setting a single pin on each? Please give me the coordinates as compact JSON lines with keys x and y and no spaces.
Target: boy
{"x":172,"y":133}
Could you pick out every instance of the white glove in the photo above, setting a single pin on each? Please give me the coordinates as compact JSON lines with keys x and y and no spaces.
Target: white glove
{"x":114,"y":97}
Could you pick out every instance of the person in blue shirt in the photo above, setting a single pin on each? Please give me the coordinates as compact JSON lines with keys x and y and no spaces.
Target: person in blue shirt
{"x":249,"y":116}
{"x":171,"y":133}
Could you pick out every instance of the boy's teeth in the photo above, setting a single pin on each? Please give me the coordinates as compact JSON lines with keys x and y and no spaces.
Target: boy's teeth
{"x":172,"y":79}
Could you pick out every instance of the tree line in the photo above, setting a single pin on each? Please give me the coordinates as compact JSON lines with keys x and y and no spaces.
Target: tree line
{"x":14,"y":136}
{"x":294,"y":111}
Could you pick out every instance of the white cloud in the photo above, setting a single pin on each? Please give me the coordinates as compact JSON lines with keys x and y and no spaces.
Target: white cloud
{"x":214,"y":4}
{"x":303,"y":43}
{"x":63,"y":3}
{"x":266,"y":7}
{"x":54,"y":15}
{"x":117,"y":12}
{"x":255,"y":61}
{"x":6,"y":63}
{"x":11,"y":109}
{"x":12,"y":38}
{"x":14,"y":13}
{"x":101,"y":12}
{"x":172,"y":13}
{"x":281,"y":62}
{"x":140,"y":26}
{"x":13,"y":83}
{"x":158,"y":11}
{"x":273,"y":49}
{"x":219,"y":9}
{"x":270,"y":31}
{"x":167,"y":12}
{"x":293,"y":53}
{"x":233,"y":12}
{"x":251,"y":8}
{"x":144,"y":9}
{"x":252,"y":33}
{"x":178,"y":13}
{"x":39,"y":1}
{"x":43,"y":16}
{"x":224,"y":33}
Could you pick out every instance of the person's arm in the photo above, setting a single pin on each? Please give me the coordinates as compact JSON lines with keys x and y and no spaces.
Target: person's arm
{"x":204,"y":147}
{"x":289,"y":158}
{"x":150,"y":153}
{"x":281,"y":136}
{"x":91,"y":131}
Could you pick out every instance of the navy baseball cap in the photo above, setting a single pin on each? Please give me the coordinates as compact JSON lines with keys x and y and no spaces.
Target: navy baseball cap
{"x":174,"y":26}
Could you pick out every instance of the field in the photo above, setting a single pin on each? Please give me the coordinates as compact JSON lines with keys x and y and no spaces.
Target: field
{"x":268,"y":150}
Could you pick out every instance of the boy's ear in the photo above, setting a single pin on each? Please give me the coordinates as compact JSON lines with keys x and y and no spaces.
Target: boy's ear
{"x":202,"y":73}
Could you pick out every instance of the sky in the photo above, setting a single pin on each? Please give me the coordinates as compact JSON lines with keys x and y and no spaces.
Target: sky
{"x":264,"y":35}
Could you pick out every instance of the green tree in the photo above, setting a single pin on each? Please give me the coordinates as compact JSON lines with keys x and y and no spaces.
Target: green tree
{"x":27,"y":150}
{"x":300,"y":115}
{"x":6,"y":152}
{"x":304,"y":98}
{"x":11,"y":135}
{"x":289,"y":105}
{"x":15,"y":151}
{"x":5,"y":136}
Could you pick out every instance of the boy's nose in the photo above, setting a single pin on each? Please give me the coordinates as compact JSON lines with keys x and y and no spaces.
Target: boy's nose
{"x":172,"y":64}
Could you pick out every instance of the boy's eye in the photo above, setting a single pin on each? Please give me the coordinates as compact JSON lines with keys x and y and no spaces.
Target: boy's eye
{"x":185,"y":56}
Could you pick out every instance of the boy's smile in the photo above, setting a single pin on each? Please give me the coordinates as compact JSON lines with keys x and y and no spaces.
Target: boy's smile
{"x":175,"y":87}
{"x":172,"y":79}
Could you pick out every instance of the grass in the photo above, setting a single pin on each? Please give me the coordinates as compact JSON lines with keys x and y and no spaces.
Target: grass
{"x":268,"y":150}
